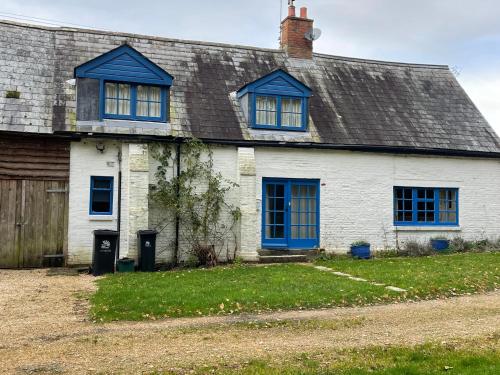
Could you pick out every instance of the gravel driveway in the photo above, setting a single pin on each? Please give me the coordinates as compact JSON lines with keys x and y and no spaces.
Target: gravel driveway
{"x":44,"y":330}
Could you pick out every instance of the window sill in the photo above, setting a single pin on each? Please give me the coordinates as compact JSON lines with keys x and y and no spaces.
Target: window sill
{"x":101,"y":218}
{"x":426,"y":229}
{"x":279,"y":128}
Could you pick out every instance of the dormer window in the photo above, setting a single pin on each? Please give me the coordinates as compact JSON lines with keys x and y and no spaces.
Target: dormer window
{"x":122,"y":84}
{"x":134,"y":102}
{"x":277,"y":101}
{"x":279,"y":112}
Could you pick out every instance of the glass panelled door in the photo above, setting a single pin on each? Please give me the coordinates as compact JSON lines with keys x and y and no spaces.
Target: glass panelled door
{"x":290,"y":214}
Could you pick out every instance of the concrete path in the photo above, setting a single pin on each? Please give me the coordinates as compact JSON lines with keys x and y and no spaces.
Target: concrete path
{"x":388,"y":287}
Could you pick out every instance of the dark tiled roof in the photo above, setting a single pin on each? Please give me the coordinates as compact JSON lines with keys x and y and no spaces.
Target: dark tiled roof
{"x":355,"y":102}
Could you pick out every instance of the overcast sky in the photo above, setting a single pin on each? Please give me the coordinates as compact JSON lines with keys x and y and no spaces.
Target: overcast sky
{"x":463,"y":34}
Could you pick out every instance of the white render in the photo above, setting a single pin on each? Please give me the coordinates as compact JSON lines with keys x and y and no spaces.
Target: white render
{"x":356,"y":194}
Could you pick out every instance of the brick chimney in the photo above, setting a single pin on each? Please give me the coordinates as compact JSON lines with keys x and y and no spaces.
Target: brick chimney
{"x":293,"y":30}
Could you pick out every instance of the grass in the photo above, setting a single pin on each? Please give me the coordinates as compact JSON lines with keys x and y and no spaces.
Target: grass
{"x":226,"y":290}
{"x":254,"y":289}
{"x":428,"y":277}
{"x":468,"y":358}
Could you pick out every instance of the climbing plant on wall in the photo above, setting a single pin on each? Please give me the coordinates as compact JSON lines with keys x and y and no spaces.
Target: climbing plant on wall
{"x":198,"y":197}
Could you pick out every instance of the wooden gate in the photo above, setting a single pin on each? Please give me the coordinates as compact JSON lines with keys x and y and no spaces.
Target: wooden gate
{"x":33,"y":221}
{"x":33,"y":201}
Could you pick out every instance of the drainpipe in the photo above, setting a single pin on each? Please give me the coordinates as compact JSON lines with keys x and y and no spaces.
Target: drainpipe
{"x":177,"y":219}
{"x":119,"y":218}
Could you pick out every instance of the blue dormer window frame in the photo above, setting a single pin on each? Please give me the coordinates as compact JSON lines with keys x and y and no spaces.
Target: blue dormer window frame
{"x":126,"y":66}
{"x":279,"y":113}
{"x":133,"y":101}
{"x":280,"y":86}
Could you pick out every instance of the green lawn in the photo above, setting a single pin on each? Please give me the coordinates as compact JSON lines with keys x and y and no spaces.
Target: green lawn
{"x":428,"y":277}
{"x":479,"y":357}
{"x":226,"y":290}
{"x":237,"y":289}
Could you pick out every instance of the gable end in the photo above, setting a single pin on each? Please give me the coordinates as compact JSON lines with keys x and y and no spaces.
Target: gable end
{"x":124,"y":64}
{"x":278,"y":82}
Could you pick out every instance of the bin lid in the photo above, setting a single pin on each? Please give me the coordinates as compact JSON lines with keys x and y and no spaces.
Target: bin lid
{"x":146,"y":232}
{"x":105,"y":232}
{"x":126,"y":260}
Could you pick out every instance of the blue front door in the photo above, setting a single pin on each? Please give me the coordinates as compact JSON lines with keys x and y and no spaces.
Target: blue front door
{"x":290,"y":213}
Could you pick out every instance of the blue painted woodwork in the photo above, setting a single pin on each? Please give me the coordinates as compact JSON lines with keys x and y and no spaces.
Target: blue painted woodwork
{"x":101,"y":189}
{"x":279,"y":125}
{"x":440,"y":244}
{"x":278,"y":82}
{"x":126,"y":65}
{"x":361,"y":251}
{"x":418,"y":206}
{"x":133,"y":105}
{"x":290,"y":213}
{"x":281,"y":85}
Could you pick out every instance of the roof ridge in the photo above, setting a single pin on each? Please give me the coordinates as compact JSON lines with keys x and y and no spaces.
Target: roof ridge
{"x":135,"y":35}
{"x":216,"y":44}
{"x":381,"y":62}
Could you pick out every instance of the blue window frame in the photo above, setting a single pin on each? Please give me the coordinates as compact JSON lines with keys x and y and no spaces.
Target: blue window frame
{"x":279,"y":112}
{"x":276,"y":101}
{"x":132,"y":87}
{"x":101,"y":195}
{"x":129,"y":101}
{"x":418,"y":206}
{"x":290,"y":213}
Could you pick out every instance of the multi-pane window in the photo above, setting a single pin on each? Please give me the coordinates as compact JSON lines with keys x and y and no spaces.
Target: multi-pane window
{"x":291,"y":112}
{"x":290,"y":213}
{"x":134,"y":102}
{"x":101,"y":195}
{"x":303,"y":215}
{"x":425,"y":206}
{"x":279,"y":112}
{"x":266,"y":111}
{"x":117,"y":99}
{"x":148,"y":101}
{"x":275,"y":211}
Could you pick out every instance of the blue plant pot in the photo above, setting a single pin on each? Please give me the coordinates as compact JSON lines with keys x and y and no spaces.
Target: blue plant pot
{"x":361,"y":251}
{"x":440,"y":245}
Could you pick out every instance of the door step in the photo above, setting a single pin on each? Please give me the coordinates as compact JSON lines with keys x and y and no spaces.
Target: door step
{"x":285,"y":258}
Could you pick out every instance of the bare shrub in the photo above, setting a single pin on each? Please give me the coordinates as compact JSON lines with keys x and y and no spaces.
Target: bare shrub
{"x":416,"y":249}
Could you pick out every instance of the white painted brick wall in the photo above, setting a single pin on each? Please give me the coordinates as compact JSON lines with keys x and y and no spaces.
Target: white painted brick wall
{"x":85,"y":162}
{"x":225,"y":161}
{"x":357,"y":192}
{"x":356,"y":195}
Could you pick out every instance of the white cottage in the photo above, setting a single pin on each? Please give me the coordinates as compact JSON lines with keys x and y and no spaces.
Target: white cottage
{"x":326,"y":150}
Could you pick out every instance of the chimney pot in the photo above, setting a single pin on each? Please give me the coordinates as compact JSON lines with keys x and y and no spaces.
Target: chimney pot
{"x":293,"y":30}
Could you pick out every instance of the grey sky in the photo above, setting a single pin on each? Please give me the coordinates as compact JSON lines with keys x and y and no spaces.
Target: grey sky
{"x":464,"y":34}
